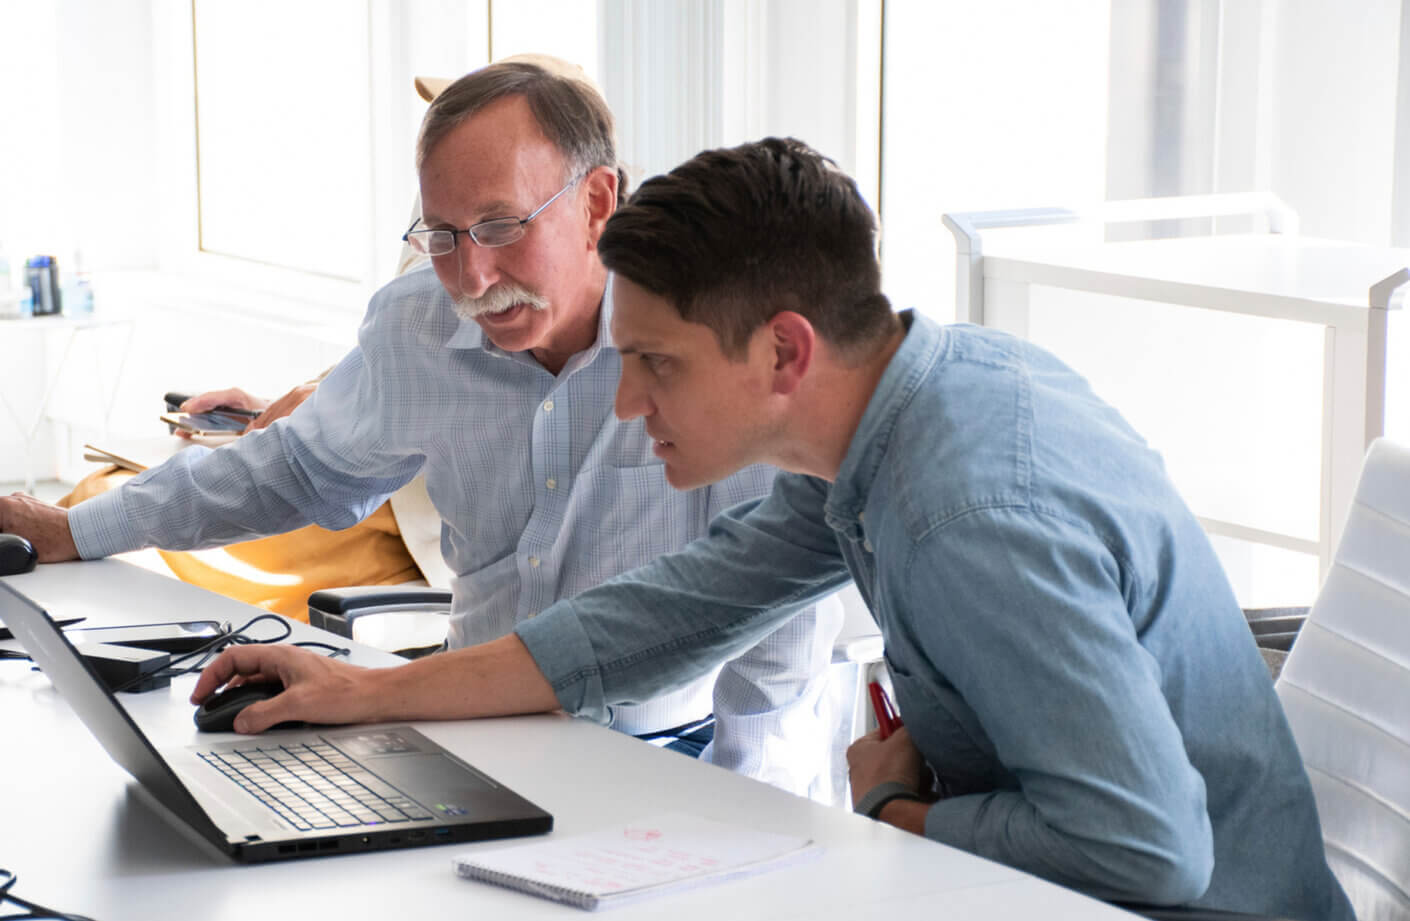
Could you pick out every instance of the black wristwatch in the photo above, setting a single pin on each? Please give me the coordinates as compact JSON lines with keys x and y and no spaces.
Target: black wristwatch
{"x":875,"y":799}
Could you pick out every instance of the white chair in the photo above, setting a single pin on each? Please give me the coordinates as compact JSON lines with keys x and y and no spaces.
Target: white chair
{"x":1346,"y":690}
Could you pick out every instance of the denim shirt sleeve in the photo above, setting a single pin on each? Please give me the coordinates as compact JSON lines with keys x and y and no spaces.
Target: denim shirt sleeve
{"x":1028,"y":624}
{"x":674,"y":619}
{"x":312,"y":467}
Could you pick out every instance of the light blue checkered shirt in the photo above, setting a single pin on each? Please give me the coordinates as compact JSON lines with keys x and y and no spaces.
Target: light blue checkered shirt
{"x":542,"y":493}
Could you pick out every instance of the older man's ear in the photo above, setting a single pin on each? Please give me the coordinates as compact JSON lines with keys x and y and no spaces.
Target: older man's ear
{"x":601,"y":200}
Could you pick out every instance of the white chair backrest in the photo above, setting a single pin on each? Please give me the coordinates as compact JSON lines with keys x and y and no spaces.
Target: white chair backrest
{"x":1346,"y":691}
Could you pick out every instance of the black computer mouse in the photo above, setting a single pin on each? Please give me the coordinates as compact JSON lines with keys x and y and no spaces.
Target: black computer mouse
{"x":16,"y":555}
{"x":218,"y":712}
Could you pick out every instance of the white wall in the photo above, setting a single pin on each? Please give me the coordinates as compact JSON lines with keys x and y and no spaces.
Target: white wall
{"x":1001,"y":104}
{"x":1333,"y":132}
{"x":76,"y":165}
{"x":685,"y":77}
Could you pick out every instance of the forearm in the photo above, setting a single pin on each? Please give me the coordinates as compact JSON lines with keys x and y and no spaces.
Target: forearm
{"x":296,"y":473}
{"x":498,"y":678}
{"x":675,"y":619}
{"x":198,"y":498}
{"x":494,"y":679}
{"x":905,"y":814}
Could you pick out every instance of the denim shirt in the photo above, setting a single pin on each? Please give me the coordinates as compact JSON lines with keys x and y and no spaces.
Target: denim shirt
{"x":1067,"y":653}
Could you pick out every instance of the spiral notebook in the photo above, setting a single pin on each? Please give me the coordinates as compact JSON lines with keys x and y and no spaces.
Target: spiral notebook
{"x":654,"y":856}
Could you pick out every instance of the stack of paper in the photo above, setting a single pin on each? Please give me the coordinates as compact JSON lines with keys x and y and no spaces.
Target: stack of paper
{"x":650,"y":857}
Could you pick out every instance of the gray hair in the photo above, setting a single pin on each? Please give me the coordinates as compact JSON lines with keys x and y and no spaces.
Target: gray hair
{"x":569,"y":111}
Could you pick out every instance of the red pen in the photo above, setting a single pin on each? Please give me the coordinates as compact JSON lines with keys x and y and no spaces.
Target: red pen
{"x":887,"y":719}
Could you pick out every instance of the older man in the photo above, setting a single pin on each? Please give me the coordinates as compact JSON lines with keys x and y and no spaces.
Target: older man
{"x":495,"y":375}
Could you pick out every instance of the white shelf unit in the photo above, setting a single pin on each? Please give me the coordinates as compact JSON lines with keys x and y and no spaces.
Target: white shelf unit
{"x":1347,"y":289}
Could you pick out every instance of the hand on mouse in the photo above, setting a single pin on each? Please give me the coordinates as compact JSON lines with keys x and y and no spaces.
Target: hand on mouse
{"x":45,"y":526}
{"x":317,"y":689}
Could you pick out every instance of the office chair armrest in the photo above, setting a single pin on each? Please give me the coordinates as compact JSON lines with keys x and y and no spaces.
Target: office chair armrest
{"x":335,"y":609}
{"x":1258,"y":617}
{"x":1275,"y":628}
{"x":860,"y":649}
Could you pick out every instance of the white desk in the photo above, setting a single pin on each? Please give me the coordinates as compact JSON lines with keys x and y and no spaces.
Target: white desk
{"x":82,"y":841}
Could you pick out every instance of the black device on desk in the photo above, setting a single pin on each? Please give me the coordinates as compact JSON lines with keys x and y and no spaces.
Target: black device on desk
{"x":218,"y":712}
{"x":16,"y":555}
{"x":177,"y":637}
{"x":394,"y":787}
{"x":135,"y":658}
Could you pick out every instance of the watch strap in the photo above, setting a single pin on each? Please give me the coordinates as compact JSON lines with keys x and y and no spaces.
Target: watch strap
{"x":875,"y":799}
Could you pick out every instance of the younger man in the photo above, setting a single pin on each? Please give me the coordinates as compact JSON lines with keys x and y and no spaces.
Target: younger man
{"x":1069,"y":660}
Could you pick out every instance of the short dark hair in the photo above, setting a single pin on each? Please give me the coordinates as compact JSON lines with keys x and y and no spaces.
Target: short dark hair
{"x":732,"y":237}
{"x":569,"y":111}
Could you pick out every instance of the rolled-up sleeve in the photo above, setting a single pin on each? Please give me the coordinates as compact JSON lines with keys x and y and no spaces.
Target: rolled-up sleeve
{"x":657,"y":627}
{"x":324,"y":465}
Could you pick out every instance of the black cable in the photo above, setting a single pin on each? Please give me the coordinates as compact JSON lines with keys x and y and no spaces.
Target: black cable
{"x":209,"y":650}
{"x":224,"y":641}
{"x":33,"y":910}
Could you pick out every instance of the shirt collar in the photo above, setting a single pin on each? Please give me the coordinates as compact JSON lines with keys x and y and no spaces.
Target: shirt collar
{"x":920,"y":350}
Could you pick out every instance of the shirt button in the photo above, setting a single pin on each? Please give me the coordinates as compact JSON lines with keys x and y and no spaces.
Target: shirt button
{"x":548,"y":406}
{"x":867,"y":544}
{"x":534,"y":562}
{"x":861,"y":516}
{"x":551,"y":483}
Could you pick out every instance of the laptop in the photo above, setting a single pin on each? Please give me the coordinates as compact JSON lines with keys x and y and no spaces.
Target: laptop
{"x":288,"y":793}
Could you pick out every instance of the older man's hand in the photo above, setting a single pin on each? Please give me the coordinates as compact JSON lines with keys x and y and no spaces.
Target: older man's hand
{"x":283,"y":406}
{"x":43,"y":525}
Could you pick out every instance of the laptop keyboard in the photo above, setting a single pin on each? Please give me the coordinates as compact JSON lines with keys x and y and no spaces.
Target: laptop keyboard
{"x":314,"y":786}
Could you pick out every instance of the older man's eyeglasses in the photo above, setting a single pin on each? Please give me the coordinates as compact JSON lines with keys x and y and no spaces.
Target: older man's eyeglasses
{"x":500,"y":231}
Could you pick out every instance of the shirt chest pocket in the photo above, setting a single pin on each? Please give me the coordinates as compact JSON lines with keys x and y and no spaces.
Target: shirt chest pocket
{"x":631,"y":516}
{"x":947,"y":733}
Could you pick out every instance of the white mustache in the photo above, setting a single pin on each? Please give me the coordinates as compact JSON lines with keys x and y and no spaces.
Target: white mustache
{"x":498,"y":299}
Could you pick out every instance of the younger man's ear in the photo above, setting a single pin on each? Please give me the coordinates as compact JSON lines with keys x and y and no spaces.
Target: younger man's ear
{"x":793,"y":340}
{"x":601,"y":186}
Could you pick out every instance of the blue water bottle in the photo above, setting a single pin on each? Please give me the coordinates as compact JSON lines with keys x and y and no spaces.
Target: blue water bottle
{"x":42,"y":275}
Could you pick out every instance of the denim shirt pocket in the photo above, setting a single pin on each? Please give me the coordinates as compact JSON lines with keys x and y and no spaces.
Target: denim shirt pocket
{"x":947,"y":733}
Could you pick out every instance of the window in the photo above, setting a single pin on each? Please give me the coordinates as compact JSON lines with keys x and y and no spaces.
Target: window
{"x":283,"y":157}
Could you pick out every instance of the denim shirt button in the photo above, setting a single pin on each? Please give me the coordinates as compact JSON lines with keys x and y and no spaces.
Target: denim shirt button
{"x":867,"y":544}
